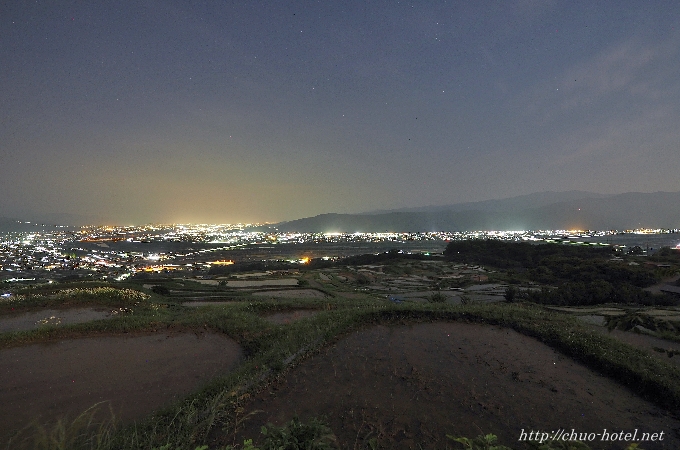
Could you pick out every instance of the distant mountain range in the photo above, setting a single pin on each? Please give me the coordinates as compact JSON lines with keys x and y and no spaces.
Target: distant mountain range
{"x":36,"y":222}
{"x":535,"y":200}
{"x":14,"y":225}
{"x":7,"y":224}
{"x":539,"y":211}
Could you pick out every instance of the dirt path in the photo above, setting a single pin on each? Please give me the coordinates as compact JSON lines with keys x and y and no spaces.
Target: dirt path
{"x":412,"y":385}
{"x":137,"y":374}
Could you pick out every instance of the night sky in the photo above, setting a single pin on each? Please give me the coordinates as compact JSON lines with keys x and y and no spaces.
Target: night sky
{"x":242,"y":111}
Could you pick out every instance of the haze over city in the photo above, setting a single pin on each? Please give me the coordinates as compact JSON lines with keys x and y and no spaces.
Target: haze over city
{"x":218,"y":112}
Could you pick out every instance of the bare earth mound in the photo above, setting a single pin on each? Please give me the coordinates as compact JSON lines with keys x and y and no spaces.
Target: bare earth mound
{"x":413,"y":385}
{"x":137,"y":374}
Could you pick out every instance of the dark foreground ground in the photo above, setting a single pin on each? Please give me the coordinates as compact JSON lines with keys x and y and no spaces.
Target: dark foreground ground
{"x":135,"y":375}
{"x":411,"y":385}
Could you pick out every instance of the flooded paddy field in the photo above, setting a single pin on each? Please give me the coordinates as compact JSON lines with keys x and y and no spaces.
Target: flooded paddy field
{"x":22,"y":321}
{"x":198,"y":303}
{"x":291,"y":293}
{"x":262,"y":283}
{"x":135,"y":375}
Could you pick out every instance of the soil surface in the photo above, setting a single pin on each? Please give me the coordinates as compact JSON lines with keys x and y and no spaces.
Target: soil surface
{"x":411,"y":385}
{"x":136,"y":374}
{"x":54,"y":317}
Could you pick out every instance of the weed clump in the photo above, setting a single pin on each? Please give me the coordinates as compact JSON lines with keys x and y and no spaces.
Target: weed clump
{"x":104,"y":295}
{"x":86,"y":431}
{"x":510,"y":294}
{"x":637,"y":321}
{"x":437,"y":297}
{"x":315,"y":435}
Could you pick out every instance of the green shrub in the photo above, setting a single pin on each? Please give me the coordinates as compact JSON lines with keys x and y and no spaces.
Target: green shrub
{"x":510,"y":294}
{"x":437,"y":297}
{"x":160,"y":290}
